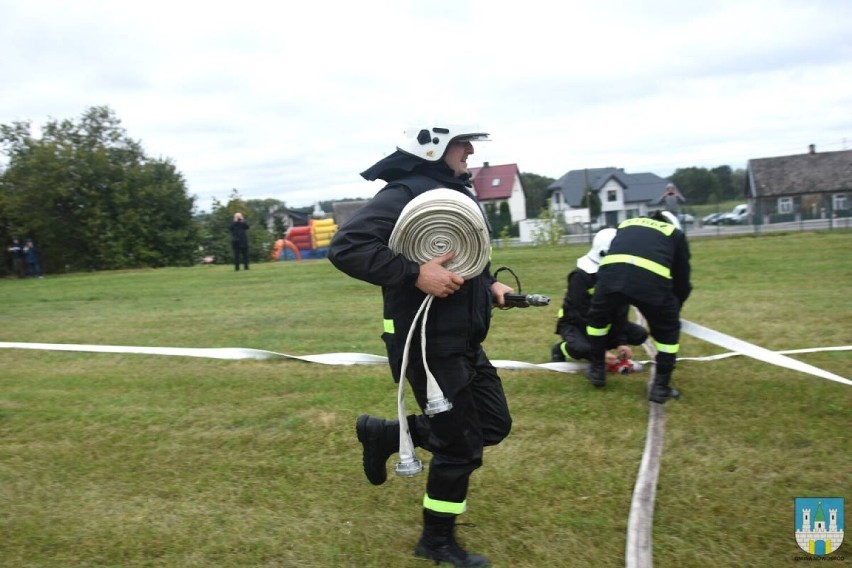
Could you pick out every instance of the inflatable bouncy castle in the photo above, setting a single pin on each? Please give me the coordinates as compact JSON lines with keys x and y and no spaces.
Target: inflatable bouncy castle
{"x":309,"y":241}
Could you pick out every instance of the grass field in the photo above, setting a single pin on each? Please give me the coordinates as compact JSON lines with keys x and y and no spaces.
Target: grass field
{"x":111,"y":460}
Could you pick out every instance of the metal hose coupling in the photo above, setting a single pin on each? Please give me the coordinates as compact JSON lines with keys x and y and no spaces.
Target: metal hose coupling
{"x":432,"y":224}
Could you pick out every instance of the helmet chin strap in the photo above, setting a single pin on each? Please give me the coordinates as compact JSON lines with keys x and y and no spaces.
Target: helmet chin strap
{"x":431,"y":225}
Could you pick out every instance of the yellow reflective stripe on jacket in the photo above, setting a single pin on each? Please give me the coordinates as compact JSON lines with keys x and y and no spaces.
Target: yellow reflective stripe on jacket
{"x":654,"y":267}
{"x":667,"y":348}
{"x":389,"y":326}
{"x":597,"y":331}
{"x":560,"y":313}
{"x":665,"y":228}
{"x":444,"y":506}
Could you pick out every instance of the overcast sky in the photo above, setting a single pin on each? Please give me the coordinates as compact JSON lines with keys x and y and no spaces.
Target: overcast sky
{"x":291,"y":100}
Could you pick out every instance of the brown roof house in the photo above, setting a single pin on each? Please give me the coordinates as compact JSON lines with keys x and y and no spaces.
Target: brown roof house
{"x":816,"y":185}
{"x":495,"y":185}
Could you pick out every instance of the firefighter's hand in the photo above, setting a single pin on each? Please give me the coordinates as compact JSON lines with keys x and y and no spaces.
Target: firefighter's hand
{"x":436,"y":280}
{"x":498,"y":291}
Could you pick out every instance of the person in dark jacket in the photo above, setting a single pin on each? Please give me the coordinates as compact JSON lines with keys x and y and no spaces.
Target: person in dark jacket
{"x":648,"y":266}
{"x":574,"y":315}
{"x":17,"y":253}
{"x":458,"y":322}
{"x":31,"y":256}
{"x":239,"y":240}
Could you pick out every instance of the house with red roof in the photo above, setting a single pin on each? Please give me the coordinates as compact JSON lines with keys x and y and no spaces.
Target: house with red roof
{"x":495,"y":185}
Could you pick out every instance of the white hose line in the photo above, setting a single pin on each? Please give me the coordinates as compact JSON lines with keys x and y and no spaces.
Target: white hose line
{"x":640,"y":521}
{"x":756,"y":352}
{"x":408,"y":461}
{"x":343,"y":359}
{"x":230,"y":353}
{"x":638,"y":550}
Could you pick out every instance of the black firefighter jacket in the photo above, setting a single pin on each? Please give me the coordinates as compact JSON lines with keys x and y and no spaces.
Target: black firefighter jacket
{"x":644,"y":241}
{"x":455,"y":324}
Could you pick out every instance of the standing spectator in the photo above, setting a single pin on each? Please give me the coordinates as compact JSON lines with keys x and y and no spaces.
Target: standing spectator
{"x":31,"y":256}
{"x":17,"y":253}
{"x":460,"y":317}
{"x":671,"y":199}
{"x":239,"y":240}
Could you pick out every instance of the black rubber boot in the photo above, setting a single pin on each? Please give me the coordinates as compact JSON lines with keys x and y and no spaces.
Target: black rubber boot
{"x":438,"y":543}
{"x":380,"y":439}
{"x":556,"y":354}
{"x":596,"y":373}
{"x":661,"y":391}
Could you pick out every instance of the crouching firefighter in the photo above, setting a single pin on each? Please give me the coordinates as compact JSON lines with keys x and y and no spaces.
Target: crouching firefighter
{"x":458,"y":321}
{"x":647,"y":266}
{"x":573,"y":316}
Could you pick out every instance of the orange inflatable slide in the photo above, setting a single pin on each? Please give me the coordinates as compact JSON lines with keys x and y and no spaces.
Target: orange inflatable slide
{"x":280,"y":248}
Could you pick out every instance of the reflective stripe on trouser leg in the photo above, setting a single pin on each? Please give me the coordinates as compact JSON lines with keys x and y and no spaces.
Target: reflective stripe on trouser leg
{"x":444,"y":506}
{"x":598,"y":331}
{"x":597,"y":340}
{"x":667,"y":348}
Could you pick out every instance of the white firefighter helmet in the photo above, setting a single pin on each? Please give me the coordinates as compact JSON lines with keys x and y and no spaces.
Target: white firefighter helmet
{"x":430,"y":143}
{"x":671,"y":219}
{"x":600,"y":246}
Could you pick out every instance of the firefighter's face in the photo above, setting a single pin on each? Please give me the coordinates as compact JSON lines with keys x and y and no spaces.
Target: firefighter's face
{"x":456,"y":156}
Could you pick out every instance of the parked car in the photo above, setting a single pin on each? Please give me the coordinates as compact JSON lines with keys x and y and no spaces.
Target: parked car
{"x":686,"y":219}
{"x":738,"y":216}
{"x":712,"y":218}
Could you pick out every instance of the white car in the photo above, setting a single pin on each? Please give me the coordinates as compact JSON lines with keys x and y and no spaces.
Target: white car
{"x":738,"y":216}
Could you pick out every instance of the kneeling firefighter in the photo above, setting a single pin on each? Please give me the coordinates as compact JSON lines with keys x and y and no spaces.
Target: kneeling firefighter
{"x":647,"y":266}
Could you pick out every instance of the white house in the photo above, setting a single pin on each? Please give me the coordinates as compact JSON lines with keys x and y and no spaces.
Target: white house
{"x":622,"y":195}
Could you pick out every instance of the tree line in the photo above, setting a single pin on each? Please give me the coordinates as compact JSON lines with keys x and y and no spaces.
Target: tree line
{"x":91,"y":199}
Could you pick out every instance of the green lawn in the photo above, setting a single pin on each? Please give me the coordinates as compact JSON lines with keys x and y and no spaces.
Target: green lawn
{"x":152,"y":461}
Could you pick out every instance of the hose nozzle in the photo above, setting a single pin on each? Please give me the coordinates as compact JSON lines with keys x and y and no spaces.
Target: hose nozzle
{"x":525,"y":300}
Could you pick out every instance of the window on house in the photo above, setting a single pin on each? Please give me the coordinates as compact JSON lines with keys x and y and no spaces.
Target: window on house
{"x":612,"y":195}
{"x":839,"y":202}
{"x":495,"y":182}
{"x":785,"y":205}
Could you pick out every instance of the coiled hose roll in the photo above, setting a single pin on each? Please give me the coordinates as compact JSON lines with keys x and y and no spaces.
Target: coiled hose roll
{"x":441,"y":220}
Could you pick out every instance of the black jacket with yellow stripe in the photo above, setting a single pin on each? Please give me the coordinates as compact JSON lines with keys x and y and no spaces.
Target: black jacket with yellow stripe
{"x":360,"y":248}
{"x":647,"y":259}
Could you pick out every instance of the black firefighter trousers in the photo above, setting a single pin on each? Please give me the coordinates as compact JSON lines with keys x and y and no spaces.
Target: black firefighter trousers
{"x":479,"y":417}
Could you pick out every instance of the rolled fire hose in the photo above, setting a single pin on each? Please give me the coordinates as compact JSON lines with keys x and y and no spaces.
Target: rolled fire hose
{"x":431,"y":225}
